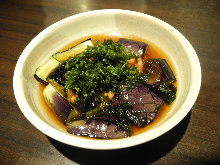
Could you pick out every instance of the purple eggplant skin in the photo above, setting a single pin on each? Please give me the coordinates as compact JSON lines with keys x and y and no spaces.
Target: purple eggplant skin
{"x":57,"y":103}
{"x":134,"y":47}
{"x":146,"y":104}
{"x":158,"y":71}
{"x":99,"y":129}
{"x":167,"y":75}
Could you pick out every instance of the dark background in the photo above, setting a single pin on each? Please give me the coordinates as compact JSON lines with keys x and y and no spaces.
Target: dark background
{"x":195,"y":140}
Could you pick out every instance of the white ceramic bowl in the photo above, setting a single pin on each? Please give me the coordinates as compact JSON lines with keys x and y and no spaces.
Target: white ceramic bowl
{"x":58,"y":35}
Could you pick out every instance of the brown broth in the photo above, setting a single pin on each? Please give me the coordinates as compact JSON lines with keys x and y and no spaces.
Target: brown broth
{"x":152,"y":52}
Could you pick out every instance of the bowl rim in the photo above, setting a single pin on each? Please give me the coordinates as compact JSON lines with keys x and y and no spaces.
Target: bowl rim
{"x":116,"y":143}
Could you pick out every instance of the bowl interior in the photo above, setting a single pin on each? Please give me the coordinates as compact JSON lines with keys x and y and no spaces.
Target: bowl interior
{"x":60,"y":34}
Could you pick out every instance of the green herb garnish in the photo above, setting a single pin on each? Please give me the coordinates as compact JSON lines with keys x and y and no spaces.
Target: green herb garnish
{"x":99,"y":69}
{"x":125,"y":115}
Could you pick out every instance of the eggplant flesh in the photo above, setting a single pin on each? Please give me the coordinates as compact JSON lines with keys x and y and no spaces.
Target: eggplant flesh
{"x":64,"y":55}
{"x":146,"y":104}
{"x":100,"y":129}
{"x":158,"y":71}
{"x":44,"y":70}
{"x":57,"y":103}
{"x":134,"y":47}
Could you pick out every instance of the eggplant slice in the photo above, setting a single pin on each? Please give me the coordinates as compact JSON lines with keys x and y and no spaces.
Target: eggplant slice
{"x":64,"y":55}
{"x":44,"y":70}
{"x":58,"y":103}
{"x":133,"y":47}
{"x":146,"y":104}
{"x":100,"y":129}
{"x":58,"y":74}
{"x":158,"y":71}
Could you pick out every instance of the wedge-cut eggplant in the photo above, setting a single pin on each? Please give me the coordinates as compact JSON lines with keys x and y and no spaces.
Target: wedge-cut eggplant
{"x":58,"y":74}
{"x":146,"y":104}
{"x":134,"y":47}
{"x":58,"y":103}
{"x":100,"y":129}
{"x":158,"y":71}
{"x":44,"y":70}
{"x":62,"y":56}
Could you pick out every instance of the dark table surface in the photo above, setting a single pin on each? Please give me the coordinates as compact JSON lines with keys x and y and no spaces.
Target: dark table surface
{"x":195,"y":140}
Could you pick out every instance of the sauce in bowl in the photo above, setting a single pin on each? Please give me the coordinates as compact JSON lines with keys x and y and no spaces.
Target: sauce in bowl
{"x":152,"y":52}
